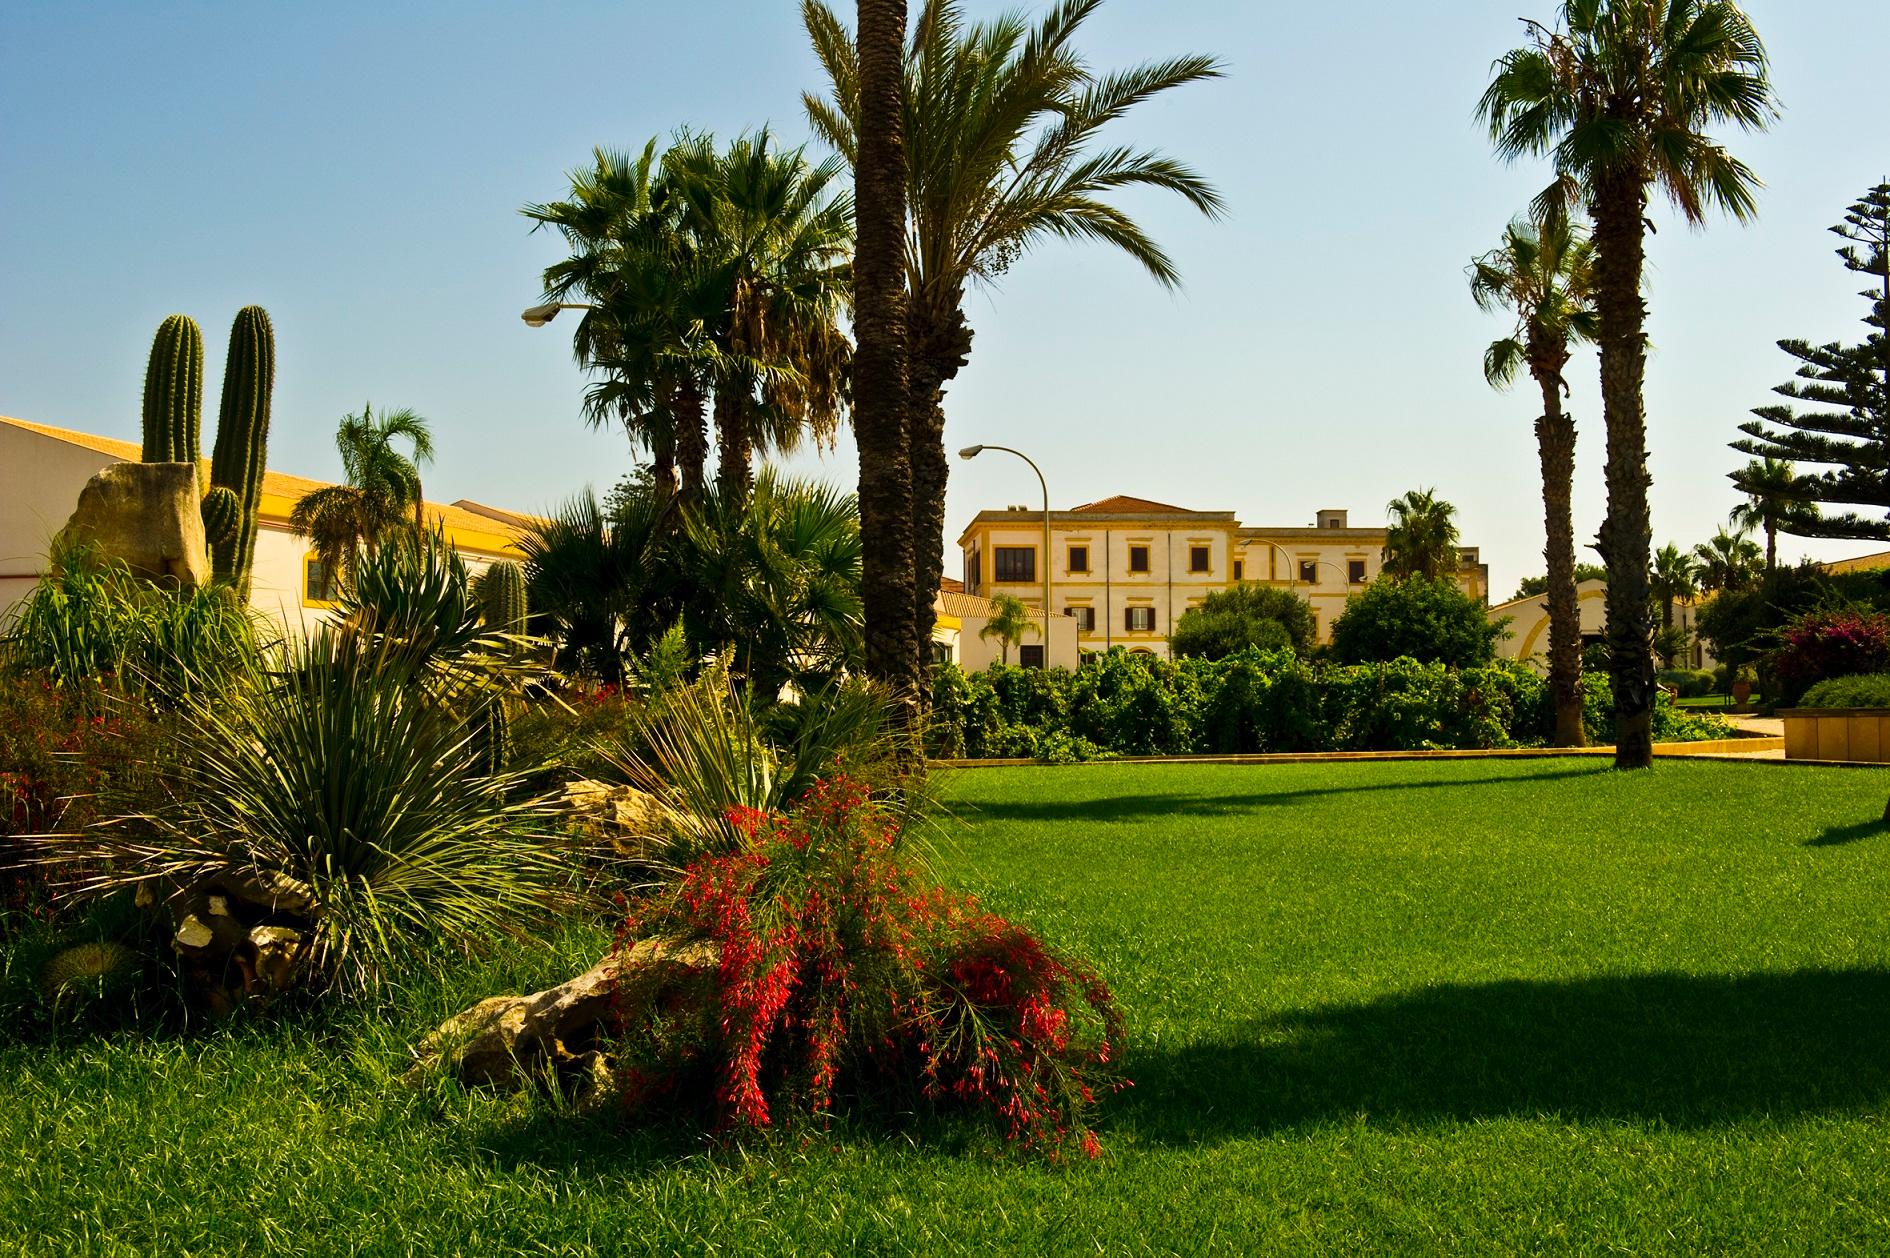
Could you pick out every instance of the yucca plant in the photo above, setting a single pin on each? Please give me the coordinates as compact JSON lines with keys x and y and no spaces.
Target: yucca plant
{"x":343,"y":774}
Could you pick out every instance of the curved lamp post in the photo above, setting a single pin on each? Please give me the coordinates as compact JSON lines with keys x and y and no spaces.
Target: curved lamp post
{"x":539,"y":316}
{"x":972,"y":452}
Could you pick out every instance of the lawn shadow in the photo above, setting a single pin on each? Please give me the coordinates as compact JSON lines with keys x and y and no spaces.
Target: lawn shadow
{"x":1141,"y":807}
{"x":1838,"y":836}
{"x":1688,"y":1050}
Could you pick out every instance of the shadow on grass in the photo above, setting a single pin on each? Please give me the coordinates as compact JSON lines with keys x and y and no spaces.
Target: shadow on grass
{"x":1687,"y":1050}
{"x":1139,"y":807}
{"x":1838,"y":836}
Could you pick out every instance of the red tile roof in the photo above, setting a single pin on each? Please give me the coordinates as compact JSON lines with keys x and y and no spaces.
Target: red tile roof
{"x":1123,"y":504}
{"x":951,"y":585}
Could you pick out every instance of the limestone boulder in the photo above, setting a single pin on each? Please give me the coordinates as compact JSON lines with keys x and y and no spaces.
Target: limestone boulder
{"x":148,"y":515}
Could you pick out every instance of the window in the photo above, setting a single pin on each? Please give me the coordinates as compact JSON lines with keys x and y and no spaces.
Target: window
{"x":1309,"y":571}
{"x":318,"y":582}
{"x":1015,"y":563}
{"x":1079,"y":559}
{"x":1085,"y":618}
{"x":1355,"y":571}
{"x":941,"y":652}
{"x":1030,"y":655}
{"x":1469,"y":558}
{"x":1198,"y":558}
{"x":972,"y":570}
{"x":1138,"y":619}
{"x":1138,"y":559}
{"x":1240,"y":570}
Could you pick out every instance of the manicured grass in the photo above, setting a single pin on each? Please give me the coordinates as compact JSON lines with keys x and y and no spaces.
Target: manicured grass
{"x":1386,"y":1007}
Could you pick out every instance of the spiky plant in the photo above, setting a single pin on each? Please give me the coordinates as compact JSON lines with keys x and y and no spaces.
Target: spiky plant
{"x":222,"y":513}
{"x":501,"y":591}
{"x":173,"y":392}
{"x":238,"y":461}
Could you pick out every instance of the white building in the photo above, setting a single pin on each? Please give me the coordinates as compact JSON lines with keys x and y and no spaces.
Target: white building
{"x":958,"y":637}
{"x":1528,"y":626}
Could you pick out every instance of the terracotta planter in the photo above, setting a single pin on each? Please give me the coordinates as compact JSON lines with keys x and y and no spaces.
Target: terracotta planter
{"x":1741,"y":691}
{"x":1859,"y":735}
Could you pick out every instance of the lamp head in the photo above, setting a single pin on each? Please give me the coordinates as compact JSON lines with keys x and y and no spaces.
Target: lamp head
{"x":539,"y":316}
{"x":971,"y":452}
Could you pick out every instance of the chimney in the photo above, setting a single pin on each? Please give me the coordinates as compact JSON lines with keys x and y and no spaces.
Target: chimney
{"x":1330,"y":519}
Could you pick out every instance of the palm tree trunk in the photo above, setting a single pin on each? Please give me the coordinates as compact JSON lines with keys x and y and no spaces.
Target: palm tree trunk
{"x":1620,"y":207}
{"x":1771,"y":544}
{"x":734,"y":468}
{"x":663,"y":466}
{"x":887,"y":577}
{"x":692,"y":439}
{"x":939,"y":348}
{"x":1555,"y":442}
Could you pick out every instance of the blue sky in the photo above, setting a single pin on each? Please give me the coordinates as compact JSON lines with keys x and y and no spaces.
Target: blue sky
{"x":357,"y":169}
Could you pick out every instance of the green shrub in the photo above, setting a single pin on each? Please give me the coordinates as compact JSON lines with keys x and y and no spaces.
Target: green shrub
{"x":1867,"y":690}
{"x":1690,"y":683}
{"x":1245,"y":618}
{"x":1432,"y":622}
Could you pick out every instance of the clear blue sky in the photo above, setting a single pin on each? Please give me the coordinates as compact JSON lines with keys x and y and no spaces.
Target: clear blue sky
{"x":357,"y":168}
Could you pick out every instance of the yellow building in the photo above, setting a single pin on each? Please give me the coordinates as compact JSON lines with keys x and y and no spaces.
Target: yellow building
{"x":1127,"y":568}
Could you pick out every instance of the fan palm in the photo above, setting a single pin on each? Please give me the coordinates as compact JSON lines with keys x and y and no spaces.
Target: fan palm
{"x":598,"y":580}
{"x":1622,"y":97}
{"x":1676,"y":579}
{"x":381,"y":493}
{"x":1422,"y":538}
{"x":1544,"y":273}
{"x":1729,"y":562}
{"x":1000,"y":124}
{"x":1774,"y":498}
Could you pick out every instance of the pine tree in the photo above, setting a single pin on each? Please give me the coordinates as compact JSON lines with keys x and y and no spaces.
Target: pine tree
{"x":1846,"y":427}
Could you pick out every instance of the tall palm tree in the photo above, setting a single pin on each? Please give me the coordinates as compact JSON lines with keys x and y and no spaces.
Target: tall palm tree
{"x":1676,"y":579}
{"x":1544,"y":273}
{"x":1421,"y":540}
{"x":381,"y":491}
{"x":1729,"y":562}
{"x":1622,"y":96}
{"x":880,"y":351}
{"x":1774,"y":497}
{"x":1001,"y":124}
{"x":645,"y":334}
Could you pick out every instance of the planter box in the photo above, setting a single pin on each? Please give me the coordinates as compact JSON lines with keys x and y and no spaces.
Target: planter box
{"x":1860,"y":735}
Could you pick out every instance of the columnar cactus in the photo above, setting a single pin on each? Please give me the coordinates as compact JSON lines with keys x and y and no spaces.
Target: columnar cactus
{"x":501,"y":591}
{"x":492,"y":743}
{"x":222,"y":515}
{"x":173,"y":392}
{"x":242,"y":449}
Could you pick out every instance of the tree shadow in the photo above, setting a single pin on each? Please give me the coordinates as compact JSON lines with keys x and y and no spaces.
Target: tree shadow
{"x":1838,"y":836}
{"x":1688,"y":1050}
{"x":1140,"y":807}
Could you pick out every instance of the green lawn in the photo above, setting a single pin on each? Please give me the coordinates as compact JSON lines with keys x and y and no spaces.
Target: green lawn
{"x":1375,"y":1008}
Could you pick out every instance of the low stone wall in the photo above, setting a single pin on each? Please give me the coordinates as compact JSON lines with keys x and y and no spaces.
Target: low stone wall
{"x":1859,"y":735}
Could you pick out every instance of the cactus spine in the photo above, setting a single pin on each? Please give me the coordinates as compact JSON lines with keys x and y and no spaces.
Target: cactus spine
{"x":222,"y":513}
{"x":501,"y":591}
{"x":173,"y":392}
{"x":238,"y":462}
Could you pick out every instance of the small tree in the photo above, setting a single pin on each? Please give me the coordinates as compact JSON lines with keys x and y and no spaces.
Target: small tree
{"x":1731,"y":561}
{"x":1009,"y":621}
{"x":1422,"y":537}
{"x":1429,"y":621}
{"x":1233,"y":620}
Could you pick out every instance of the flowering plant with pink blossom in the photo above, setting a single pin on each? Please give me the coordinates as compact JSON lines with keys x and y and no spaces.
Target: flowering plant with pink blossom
{"x":1832,"y":643}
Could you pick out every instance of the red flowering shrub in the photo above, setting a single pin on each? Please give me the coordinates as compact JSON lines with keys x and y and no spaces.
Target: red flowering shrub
{"x":842,"y":969}
{"x":1823,"y":644}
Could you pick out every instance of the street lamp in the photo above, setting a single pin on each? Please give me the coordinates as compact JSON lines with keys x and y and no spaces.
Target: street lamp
{"x":972,"y":452}
{"x":539,"y":316}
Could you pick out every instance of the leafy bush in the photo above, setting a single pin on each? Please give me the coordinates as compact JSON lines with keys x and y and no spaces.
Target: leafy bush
{"x":1689,"y":683}
{"x":843,"y":972}
{"x":1868,"y":690}
{"x":1245,"y":617}
{"x":1432,"y":622}
{"x":1820,"y":645}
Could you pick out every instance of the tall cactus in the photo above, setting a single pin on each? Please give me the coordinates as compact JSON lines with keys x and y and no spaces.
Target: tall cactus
{"x":501,"y":591}
{"x":242,"y":449}
{"x":173,"y":392}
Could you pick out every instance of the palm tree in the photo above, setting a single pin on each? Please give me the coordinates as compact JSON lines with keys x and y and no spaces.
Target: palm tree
{"x":381,"y":492}
{"x":645,"y":333}
{"x":888,"y":575}
{"x":1676,"y":579}
{"x":1774,"y":497}
{"x":1422,"y":538}
{"x":1622,"y":97}
{"x":1009,"y":622}
{"x":1000,"y":123}
{"x":1544,"y":272}
{"x":1729,"y":563}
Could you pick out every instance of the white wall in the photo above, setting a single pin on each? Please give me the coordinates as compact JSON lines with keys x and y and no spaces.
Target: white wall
{"x":40,"y":480}
{"x":975,"y":654}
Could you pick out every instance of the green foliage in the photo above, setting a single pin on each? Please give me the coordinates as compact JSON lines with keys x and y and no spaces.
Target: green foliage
{"x":1431,"y":621}
{"x":1245,"y":617}
{"x":240,"y":457}
{"x":1866,"y":690}
{"x":90,"y":620}
{"x":350,"y":772}
{"x":1691,"y":683}
{"x":501,"y":593}
{"x":222,"y":513}
{"x":173,"y":392}
{"x":381,"y":494}
{"x":1008,"y":623}
{"x":1533,"y":587}
{"x":1421,"y":539}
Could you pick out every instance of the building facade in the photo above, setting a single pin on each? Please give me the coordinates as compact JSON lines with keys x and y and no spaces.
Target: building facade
{"x":1126,"y":569}
{"x":42,"y":470}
